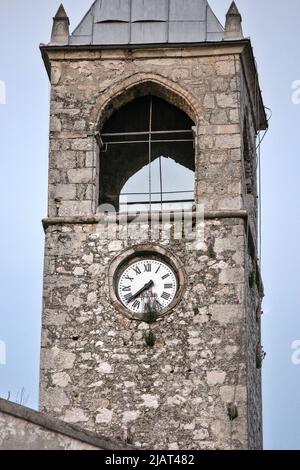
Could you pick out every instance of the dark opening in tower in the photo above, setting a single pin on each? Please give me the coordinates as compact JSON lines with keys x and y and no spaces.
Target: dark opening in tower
{"x":147,"y":157}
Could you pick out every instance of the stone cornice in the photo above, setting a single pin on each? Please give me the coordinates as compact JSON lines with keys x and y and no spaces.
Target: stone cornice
{"x":98,"y":219}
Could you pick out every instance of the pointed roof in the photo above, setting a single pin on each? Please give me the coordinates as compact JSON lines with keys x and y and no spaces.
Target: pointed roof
{"x":233,"y":25}
{"x":120,"y":22}
{"x":60,"y":30}
{"x":61,"y":14}
{"x":233,"y":9}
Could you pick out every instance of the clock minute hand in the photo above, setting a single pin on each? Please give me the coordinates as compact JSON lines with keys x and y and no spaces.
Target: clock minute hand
{"x":146,"y":287}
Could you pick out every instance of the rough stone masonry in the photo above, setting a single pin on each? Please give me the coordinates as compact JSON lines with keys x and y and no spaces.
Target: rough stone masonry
{"x":198,"y":387}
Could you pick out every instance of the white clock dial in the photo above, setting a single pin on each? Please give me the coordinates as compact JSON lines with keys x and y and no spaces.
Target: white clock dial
{"x":148,"y":281}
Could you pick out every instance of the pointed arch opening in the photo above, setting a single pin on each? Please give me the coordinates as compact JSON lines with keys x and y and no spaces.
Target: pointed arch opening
{"x":147,"y":156}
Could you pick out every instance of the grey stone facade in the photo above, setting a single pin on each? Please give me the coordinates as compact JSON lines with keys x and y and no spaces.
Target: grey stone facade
{"x":96,"y":370}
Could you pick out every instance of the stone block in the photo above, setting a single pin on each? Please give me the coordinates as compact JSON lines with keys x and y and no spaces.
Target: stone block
{"x":228,"y":141}
{"x":57,"y":359}
{"x":83,"y":144}
{"x":226,"y":100}
{"x":62,"y":191}
{"x":226,"y":67}
{"x":80,"y":175}
{"x":232,"y":276}
{"x":219,"y":116}
{"x":74,"y":208}
{"x":231,"y":393}
{"x":209,"y":101}
{"x":55,"y":124}
{"x":63,"y":159}
{"x":229,"y":244}
{"x":215,"y":378}
{"x":226,"y":314}
{"x":229,"y":203}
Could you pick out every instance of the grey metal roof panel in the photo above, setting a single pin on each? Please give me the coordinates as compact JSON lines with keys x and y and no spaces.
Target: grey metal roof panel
{"x":145,"y":10}
{"x":80,"y":40}
{"x":187,"y":31}
{"x":84,"y":28}
{"x":147,"y":21}
{"x":213,"y":24}
{"x":111,"y":33}
{"x":112,"y":10}
{"x":214,"y":37}
{"x":147,"y":33}
{"x":181,"y":10}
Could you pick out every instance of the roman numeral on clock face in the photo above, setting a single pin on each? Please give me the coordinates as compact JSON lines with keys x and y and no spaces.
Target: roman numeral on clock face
{"x":137,"y":270}
{"x":128,"y":278}
{"x":165,"y":296}
{"x":126,"y":289}
{"x":168,"y":286}
{"x":136,"y":304}
{"x":127,"y":297}
{"x":147,"y":267}
{"x":165,"y":276}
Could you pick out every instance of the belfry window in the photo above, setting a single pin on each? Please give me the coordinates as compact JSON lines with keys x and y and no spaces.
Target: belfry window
{"x":147,"y":157}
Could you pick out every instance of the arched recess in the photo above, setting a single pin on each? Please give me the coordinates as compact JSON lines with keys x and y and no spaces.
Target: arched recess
{"x":147,"y":122}
{"x":141,"y":84}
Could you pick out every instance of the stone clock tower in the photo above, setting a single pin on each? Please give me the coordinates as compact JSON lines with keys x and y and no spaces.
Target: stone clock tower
{"x":151,"y":323}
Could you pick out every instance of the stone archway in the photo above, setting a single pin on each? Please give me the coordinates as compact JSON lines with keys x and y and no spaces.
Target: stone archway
{"x":141,"y":84}
{"x":125,"y":152}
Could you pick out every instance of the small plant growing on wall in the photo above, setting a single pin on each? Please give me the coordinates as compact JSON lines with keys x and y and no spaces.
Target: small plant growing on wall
{"x":195,"y":307}
{"x":252,"y":280}
{"x":150,"y":316}
{"x":211,"y":252}
{"x":151,"y":313}
{"x":150,"y":338}
{"x":260,"y":356}
{"x":259,"y":313}
{"x":232,"y":411}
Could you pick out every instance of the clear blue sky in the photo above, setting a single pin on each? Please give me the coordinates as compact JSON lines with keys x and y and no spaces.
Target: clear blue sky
{"x":274,"y":28}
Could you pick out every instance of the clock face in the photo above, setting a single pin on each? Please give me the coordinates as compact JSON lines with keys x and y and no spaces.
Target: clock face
{"x":147,"y":282}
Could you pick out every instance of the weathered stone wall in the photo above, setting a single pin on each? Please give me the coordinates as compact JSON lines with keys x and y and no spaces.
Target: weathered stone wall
{"x":87,"y":90}
{"x":253,"y":283}
{"x":96,"y":368}
{"x":250,"y":164}
{"x":25,"y":429}
{"x":253,"y":345}
{"x":18,"y":434}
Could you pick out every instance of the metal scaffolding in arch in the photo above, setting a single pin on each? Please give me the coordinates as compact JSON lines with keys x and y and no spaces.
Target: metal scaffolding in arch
{"x":156,"y":143}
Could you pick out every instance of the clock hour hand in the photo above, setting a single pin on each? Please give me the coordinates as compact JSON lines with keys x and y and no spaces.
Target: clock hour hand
{"x":146,"y":287}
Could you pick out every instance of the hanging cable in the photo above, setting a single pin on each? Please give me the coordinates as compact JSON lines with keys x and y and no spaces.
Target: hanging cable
{"x":260,"y":202}
{"x":267,"y":130}
{"x":161,"y":183}
{"x":258,"y":149}
{"x":150,"y":153}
